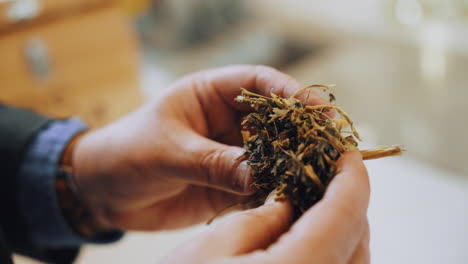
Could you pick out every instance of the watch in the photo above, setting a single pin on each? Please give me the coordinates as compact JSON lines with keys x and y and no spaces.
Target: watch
{"x":74,"y":209}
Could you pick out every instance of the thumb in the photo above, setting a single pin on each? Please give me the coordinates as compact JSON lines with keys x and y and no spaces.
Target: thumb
{"x":239,"y":234}
{"x":220,"y":166}
{"x":253,"y":229}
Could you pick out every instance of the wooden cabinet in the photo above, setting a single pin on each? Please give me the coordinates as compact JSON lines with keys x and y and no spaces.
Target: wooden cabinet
{"x":78,"y":58}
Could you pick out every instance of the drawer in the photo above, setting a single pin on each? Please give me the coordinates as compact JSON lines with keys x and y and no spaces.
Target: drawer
{"x":84,"y":65}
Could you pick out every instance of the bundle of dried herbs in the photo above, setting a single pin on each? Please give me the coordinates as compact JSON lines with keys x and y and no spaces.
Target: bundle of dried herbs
{"x":294,"y":148}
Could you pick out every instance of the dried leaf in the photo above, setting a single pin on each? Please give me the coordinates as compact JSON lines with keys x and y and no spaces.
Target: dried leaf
{"x":294,"y":147}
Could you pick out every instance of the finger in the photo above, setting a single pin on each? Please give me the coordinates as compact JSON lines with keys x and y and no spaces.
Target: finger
{"x":256,"y":228}
{"x":333,"y":227}
{"x":217,"y":165}
{"x":361,"y":254}
{"x":256,"y":78}
{"x":216,"y":89}
{"x":242,"y":233}
{"x":239,"y":234}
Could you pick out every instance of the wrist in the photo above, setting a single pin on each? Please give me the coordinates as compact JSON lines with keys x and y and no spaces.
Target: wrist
{"x":81,"y":214}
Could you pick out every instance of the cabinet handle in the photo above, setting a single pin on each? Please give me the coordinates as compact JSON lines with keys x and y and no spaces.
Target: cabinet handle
{"x":37,"y":57}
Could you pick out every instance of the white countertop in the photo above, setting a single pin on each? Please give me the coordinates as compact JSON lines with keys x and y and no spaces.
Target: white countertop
{"x":418,"y":213}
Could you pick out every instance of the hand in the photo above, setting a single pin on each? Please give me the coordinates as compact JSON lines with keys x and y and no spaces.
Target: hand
{"x":335,"y":230}
{"x":172,"y":163}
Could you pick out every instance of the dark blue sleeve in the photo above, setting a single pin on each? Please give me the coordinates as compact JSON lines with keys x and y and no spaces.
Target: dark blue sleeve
{"x":36,"y":193}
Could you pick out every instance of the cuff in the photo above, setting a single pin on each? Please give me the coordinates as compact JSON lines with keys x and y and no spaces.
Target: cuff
{"x":37,"y":195}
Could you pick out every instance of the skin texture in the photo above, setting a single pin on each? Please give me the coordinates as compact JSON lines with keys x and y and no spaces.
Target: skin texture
{"x":173,"y":163}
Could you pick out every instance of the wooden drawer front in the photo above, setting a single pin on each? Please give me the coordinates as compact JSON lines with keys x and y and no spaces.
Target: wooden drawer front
{"x":91,"y":62}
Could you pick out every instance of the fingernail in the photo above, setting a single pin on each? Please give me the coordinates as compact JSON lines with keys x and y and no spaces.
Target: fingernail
{"x":243,"y":171}
{"x":271,"y":197}
{"x":241,"y":176}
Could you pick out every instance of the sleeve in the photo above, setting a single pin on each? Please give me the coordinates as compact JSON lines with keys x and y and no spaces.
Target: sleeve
{"x":36,"y":182}
{"x":30,"y":147}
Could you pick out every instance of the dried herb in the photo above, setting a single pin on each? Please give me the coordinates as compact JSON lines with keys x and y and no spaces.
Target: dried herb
{"x":294,"y":148}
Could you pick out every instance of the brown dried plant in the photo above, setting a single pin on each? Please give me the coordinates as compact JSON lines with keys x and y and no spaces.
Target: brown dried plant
{"x":294,"y":148}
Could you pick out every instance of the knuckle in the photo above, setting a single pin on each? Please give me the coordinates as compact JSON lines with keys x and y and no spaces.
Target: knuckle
{"x":269,"y":77}
{"x":208,"y":161}
{"x":212,"y":166}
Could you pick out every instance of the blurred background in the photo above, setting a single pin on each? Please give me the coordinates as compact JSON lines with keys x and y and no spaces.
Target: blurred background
{"x":400,"y":69}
